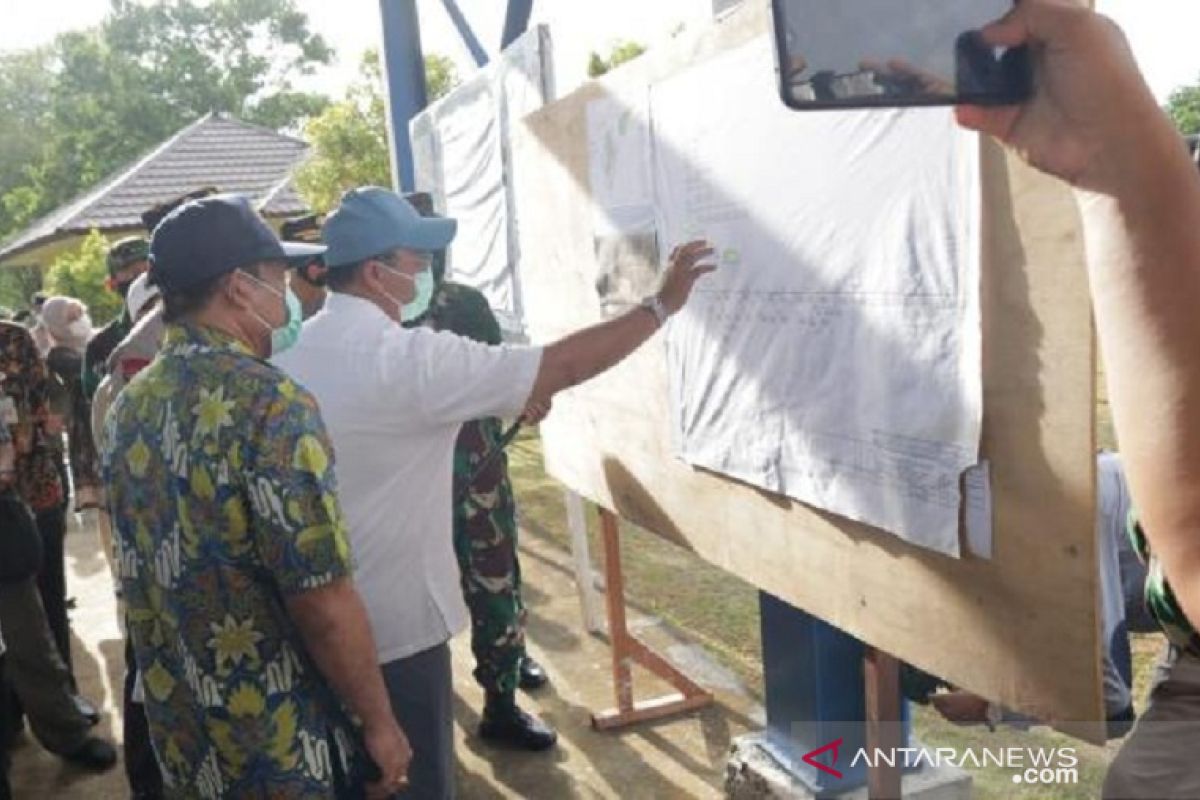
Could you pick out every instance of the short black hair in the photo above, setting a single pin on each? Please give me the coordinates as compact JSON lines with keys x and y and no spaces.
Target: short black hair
{"x":339,"y":278}
{"x":180,"y":303}
{"x":155,"y":214}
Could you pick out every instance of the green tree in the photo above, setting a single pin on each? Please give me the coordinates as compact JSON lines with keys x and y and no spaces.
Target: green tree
{"x":618,"y":54}
{"x":1184,"y":108}
{"x":349,"y":139}
{"x":81,"y":274}
{"x":76,"y":110}
{"x":441,"y":76}
{"x":17,"y":285}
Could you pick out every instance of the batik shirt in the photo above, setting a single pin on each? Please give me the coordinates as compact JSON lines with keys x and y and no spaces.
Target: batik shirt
{"x":223,"y":498}
{"x":1160,"y":599}
{"x":25,"y":388}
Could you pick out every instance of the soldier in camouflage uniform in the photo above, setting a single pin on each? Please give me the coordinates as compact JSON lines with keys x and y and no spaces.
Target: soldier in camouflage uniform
{"x":485,"y":535}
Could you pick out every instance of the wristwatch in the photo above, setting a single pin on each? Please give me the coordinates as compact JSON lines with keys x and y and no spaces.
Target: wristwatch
{"x":652,"y":304}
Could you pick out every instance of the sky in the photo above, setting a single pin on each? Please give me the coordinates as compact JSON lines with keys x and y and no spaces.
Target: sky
{"x":1161,"y":31}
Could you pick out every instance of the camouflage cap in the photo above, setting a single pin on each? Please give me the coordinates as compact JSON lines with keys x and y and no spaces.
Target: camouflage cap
{"x":127,"y":251}
{"x":302,"y":229}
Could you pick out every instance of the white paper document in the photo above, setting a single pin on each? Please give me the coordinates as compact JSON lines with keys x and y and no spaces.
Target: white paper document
{"x":618,"y":134}
{"x":977,"y":508}
{"x":624,"y":224}
{"x":835,"y":355}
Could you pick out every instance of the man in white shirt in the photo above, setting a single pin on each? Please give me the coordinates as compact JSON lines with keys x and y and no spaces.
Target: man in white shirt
{"x":393,"y":401}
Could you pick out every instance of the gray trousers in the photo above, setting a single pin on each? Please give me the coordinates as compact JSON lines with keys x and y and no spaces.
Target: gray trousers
{"x":422,"y":694}
{"x":36,"y":670}
{"x":1158,"y":760}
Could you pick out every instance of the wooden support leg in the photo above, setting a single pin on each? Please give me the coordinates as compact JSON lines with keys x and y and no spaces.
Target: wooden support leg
{"x":626,"y":650}
{"x":882,"y":674}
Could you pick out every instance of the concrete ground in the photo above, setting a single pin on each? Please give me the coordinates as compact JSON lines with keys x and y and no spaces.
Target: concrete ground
{"x":678,"y":758}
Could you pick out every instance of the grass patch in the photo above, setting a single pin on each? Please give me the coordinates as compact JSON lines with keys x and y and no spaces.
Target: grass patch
{"x":719,"y":611}
{"x":712,"y":607}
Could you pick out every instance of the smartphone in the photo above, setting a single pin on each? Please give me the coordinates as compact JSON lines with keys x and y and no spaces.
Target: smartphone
{"x":881,"y":53}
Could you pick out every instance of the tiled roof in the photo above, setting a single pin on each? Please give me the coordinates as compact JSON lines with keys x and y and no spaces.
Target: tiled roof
{"x":216,"y":150}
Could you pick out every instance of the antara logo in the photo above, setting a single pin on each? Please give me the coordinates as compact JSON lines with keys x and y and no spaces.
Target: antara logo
{"x":810,"y":758}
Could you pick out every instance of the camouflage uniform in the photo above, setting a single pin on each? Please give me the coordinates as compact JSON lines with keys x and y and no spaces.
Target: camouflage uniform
{"x":485,"y":522}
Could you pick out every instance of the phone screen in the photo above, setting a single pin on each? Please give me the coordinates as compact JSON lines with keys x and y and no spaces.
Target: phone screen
{"x":870,"y":53}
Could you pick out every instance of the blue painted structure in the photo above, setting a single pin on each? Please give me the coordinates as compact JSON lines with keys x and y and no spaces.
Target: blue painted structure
{"x":815,"y":695}
{"x":465,"y":31}
{"x":404,"y":69}
{"x":516,"y":21}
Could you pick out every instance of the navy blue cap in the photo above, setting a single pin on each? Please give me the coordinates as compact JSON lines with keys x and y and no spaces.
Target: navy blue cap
{"x":203,"y":239}
{"x":371,"y":221}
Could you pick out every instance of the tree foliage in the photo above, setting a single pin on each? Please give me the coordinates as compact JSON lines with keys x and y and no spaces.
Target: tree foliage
{"x":17,"y":285}
{"x":441,"y":76}
{"x":81,"y":274}
{"x":1184,"y":108}
{"x":76,"y":110}
{"x":620,"y":52}
{"x":349,"y":139}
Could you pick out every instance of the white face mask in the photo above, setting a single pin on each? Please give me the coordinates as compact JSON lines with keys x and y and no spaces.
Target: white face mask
{"x":81,"y":328}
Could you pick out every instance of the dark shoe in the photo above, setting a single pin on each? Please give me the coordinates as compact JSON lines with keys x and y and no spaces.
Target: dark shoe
{"x":89,"y":711}
{"x":532,"y":675}
{"x":505,"y":724}
{"x":94,"y":754}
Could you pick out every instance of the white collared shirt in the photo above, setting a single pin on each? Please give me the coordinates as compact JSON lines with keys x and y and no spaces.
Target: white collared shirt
{"x":393,"y":401}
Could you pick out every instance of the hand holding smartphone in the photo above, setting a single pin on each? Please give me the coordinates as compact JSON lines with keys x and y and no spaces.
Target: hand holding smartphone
{"x":882,"y":53}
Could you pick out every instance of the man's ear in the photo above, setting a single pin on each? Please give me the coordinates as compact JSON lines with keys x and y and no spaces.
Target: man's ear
{"x":371,"y":273}
{"x":237,"y":290}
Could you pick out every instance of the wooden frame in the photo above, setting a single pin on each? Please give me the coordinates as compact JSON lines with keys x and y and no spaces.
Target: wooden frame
{"x":1021,"y":628}
{"x":627,"y":650}
{"x":881,"y":673}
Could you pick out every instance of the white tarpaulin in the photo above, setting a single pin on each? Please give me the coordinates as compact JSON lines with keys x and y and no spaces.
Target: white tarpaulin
{"x":460,"y":152}
{"x":835,"y":355}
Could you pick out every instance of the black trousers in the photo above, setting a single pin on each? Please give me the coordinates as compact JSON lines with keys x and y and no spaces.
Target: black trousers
{"x":52,"y":581}
{"x":5,"y":729}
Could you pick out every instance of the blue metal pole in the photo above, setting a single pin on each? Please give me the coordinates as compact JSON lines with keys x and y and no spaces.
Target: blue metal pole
{"x":404,"y":69}
{"x":815,"y":698}
{"x":464,"y":30}
{"x":515,"y":21}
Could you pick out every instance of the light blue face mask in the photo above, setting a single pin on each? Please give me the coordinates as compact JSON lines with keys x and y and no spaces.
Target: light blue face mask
{"x":285,"y":336}
{"x":423,"y":284}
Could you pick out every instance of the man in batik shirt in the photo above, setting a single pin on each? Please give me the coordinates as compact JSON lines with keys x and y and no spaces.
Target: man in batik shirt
{"x":38,"y":674}
{"x":231,"y":544}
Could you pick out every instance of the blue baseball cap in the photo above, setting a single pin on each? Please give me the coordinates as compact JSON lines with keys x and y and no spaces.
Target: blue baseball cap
{"x":370,"y":221}
{"x":203,"y":239}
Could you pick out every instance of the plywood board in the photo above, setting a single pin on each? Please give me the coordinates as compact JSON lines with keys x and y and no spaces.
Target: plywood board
{"x":1020,"y":628}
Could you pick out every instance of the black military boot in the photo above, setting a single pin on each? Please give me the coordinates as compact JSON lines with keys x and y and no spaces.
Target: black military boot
{"x":505,"y":724}
{"x":532,"y":675}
